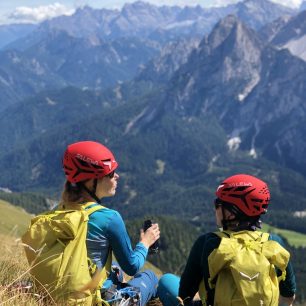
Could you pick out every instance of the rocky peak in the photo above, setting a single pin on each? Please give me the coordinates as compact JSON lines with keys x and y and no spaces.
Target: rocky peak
{"x":256,"y":13}
{"x":231,"y":35}
{"x":293,"y":36}
{"x":295,"y":28}
{"x":190,"y":13}
{"x":172,"y":57}
{"x":140,"y":11}
{"x":269,"y":31}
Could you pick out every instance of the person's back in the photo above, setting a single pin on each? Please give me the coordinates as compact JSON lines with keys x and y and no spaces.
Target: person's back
{"x":215,"y":257}
{"x":242,"y":269}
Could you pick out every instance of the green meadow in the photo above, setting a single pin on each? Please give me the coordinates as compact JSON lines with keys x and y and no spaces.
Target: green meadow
{"x":13,"y":220}
{"x":294,"y":238}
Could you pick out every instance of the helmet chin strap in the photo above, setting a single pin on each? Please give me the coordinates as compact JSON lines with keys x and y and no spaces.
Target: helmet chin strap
{"x":92,"y":192}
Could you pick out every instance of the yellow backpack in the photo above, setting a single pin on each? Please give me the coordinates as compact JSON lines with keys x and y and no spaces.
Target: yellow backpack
{"x":55,"y":246}
{"x":242,"y":269}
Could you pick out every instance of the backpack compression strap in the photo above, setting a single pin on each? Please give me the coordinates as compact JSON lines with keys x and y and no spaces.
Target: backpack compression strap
{"x":90,"y":208}
{"x":98,"y":275}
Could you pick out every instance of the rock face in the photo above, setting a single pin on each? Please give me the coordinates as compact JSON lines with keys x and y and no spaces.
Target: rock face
{"x":257,"y":92}
{"x":270,"y":30}
{"x":172,"y":57}
{"x":256,"y":13}
{"x":292,"y":36}
{"x":12,"y":32}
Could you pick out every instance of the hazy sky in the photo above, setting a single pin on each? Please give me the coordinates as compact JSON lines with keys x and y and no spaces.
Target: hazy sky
{"x":39,"y":10}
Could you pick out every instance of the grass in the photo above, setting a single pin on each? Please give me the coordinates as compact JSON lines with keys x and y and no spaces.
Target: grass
{"x":294,"y":238}
{"x":14,"y":269}
{"x":14,"y":275}
{"x":13,"y":220}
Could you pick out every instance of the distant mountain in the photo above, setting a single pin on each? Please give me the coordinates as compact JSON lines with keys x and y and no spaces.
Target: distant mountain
{"x":12,"y":32}
{"x":293,"y":36}
{"x":248,"y":87}
{"x":99,"y":48}
{"x":270,"y":30}
{"x":39,"y":115}
{"x":22,"y":76}
{"x":229,"y":59}
{"x":226,"y":77}
{"x":60,"y":60}
{"x":257,"y":13}
{"x":171,"y":58}
{"x":158,"y":23}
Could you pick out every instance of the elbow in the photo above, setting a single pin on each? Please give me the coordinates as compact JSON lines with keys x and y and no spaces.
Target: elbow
{"x":131,"y":270}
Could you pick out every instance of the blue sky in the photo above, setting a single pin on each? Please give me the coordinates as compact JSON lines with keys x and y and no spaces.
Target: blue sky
{"x":39,"y":10}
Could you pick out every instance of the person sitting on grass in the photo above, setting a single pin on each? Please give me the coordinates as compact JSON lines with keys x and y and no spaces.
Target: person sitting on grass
{"x":239,"y":265}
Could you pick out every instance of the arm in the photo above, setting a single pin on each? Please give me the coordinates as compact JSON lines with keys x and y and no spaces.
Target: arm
{"x":287,"y":287}
{"x":193,"y":273}
{"x":131,"y":261}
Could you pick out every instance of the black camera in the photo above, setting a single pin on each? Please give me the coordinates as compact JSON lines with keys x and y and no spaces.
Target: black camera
{"x":154,"y":248}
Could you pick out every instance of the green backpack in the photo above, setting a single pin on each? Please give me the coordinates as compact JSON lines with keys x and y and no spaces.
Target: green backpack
{"x":242,"y":269}
{"x":55,"y":246}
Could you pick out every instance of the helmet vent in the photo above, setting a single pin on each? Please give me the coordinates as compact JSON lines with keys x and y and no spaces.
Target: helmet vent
{"x":257,"y":200}
{"x":264,"y":190}
{"x":98,"y":167}
{"x":227,"y":189}
{"x":67,"y":168}
{"x":83,"y":163}
{"x":241,"y":188}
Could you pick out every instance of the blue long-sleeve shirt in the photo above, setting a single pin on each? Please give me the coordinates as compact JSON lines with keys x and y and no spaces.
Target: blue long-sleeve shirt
{"x":106,"y":230}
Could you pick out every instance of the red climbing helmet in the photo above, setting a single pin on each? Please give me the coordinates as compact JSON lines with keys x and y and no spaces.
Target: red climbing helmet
{"x":87,"y":160}
{"x":247,"y":193}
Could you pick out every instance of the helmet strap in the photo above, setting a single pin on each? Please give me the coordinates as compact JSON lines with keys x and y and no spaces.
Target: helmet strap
{"x":92,"y":192}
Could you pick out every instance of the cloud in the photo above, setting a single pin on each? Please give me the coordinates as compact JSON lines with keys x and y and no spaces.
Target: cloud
{"x":218,"y":3}
{"x":290,"y":3}
{"x":37,"y":14}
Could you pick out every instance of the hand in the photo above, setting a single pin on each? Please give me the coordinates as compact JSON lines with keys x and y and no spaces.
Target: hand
{"x":150,"y":235}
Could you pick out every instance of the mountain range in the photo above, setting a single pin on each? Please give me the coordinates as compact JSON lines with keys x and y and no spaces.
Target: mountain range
{"x":99,"y":48}
{"x":182,"y":113}
{"x":184,"y":97}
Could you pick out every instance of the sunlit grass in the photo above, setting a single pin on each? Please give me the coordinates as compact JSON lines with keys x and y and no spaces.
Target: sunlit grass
{"x":13,"y":220}
{"x":14,"y":274}
{"x":294,"y":238}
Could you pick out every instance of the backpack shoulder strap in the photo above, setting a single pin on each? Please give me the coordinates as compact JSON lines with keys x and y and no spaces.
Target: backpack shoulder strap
{"x":98,"y":275}
{"x":264,"y":237}
{"x":91,"y":207}
{"x":222,"y":234}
